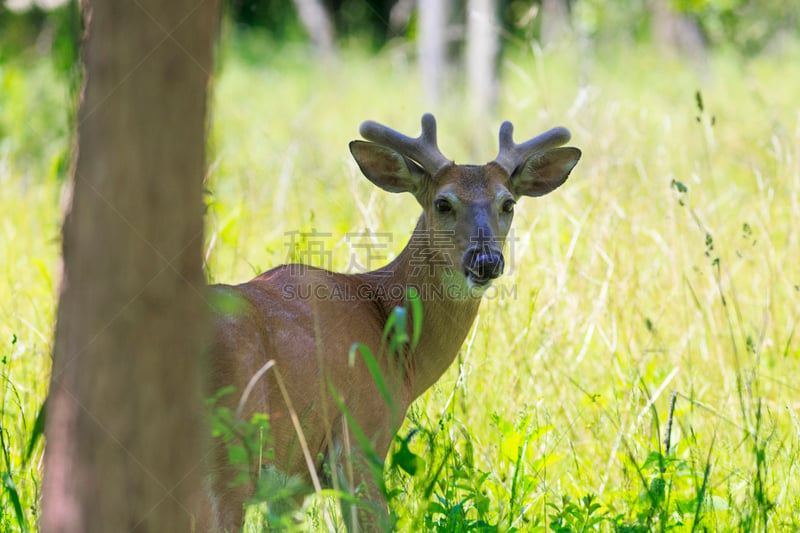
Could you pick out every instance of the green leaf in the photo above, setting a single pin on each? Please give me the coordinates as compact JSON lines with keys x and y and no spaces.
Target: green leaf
{"x":399,"y":336}
{"x":413,"y":300}
{"x":373,"y":367}
{"x":237,"y":454}
{"x":679,"y":186}
{"x":227,"y":302}
{"x":654,"y":460}
{"x":408,"y":460}
{"x":37,"y":433}
{"x":13,"y":495}
{"x":546,"y":460}
{"x":717,"y":503}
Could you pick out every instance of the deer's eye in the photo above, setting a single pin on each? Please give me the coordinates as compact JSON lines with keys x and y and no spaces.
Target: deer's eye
{"x":508,"y":206}
{"x":442,"y":206}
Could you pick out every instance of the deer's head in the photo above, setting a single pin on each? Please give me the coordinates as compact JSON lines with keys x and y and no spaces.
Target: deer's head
{"x":467,"y":209}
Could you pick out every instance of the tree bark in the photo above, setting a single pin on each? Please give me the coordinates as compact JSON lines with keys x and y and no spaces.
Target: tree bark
{"x":125,"y":433}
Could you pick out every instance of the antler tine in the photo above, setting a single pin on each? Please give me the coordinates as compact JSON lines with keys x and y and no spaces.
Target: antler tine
{"x":424,"y":149}
{"x":511,"y":155}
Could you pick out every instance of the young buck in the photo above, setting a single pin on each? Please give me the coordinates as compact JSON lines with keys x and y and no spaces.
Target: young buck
{"x":286,"y":348}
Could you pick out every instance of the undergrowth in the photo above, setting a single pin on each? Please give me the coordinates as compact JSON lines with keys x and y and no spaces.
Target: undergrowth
{"x":639,"y":377}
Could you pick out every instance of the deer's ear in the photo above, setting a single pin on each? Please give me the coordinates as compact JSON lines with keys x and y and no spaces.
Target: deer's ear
{"x":386,"y":168}
{"x":544,"y":171}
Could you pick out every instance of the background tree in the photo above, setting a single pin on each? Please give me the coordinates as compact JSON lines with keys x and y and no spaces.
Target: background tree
{"x":432,"y":46}
{"x":481,"y":58}
{"x":318,"y":25}
{"x":124,"y":432}
{"x":744,"y":25}
{"x":554,"y":21}
{"x":676,"y":31}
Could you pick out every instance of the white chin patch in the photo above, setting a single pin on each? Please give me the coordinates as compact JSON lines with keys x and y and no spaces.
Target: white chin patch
{"x":476,"y":286}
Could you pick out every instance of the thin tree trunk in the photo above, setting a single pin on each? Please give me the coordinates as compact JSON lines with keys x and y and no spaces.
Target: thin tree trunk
{"x":676,"y":32}
{"x":125,"y":437}
{"x":555,"y":21}
{"x":482,"y":48}
{"x":432,"y":43}
{"x":400,"y":15}
{"x":317,"y":22}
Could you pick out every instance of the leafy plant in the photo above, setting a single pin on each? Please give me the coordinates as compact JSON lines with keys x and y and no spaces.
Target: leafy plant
{"x":576,"y":517}
{"x":248,"y":445}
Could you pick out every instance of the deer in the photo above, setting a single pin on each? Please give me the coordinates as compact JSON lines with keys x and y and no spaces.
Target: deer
{"x":287,"y":348}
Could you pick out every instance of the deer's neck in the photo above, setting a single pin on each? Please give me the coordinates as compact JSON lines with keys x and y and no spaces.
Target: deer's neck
{"x":448,"y":310}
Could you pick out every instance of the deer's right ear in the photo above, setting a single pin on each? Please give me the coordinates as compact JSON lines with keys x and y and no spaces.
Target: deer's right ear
{"x":386,"y":168}
{"x":544,"y":171}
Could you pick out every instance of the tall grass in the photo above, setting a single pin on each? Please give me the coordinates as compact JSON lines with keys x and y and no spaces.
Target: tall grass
{"x":666,"y":267}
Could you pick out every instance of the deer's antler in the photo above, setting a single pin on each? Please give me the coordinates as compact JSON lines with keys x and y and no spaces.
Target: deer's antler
{"x":423,"y":149}
{"x":511,"y":155}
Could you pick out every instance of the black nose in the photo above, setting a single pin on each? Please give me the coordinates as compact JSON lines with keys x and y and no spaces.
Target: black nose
{"x":485,"y":265}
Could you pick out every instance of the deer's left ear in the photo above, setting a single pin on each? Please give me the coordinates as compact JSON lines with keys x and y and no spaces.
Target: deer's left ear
{"x":544,"y":171}
{"x":386,"y":168}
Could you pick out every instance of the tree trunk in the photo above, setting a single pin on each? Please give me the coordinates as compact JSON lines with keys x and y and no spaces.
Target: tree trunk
{"x":432,"y":45}
{"x":317,"y":22}
{"x":555,"y":22}
{"x":481,"y":60}
{"x":125,"y":432}
{"x":676,"y":32}
{"x":400,"y":15}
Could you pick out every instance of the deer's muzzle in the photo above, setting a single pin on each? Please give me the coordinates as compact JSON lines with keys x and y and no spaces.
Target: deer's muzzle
{"x":482,"y":265}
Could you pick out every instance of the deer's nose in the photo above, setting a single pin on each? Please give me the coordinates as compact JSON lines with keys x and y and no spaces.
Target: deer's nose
{"x":484,"y":265}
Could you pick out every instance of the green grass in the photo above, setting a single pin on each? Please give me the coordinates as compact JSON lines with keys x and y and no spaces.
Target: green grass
{"x":667,"y":263}
{"x":33,"y":152}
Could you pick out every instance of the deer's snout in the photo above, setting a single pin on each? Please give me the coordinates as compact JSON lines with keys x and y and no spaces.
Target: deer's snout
{"x":482,"y":265}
